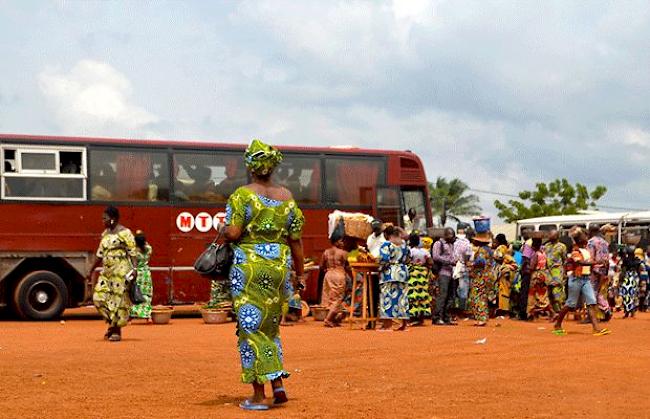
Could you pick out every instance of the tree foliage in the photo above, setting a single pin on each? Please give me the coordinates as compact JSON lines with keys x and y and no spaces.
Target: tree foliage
{"x":449,"y":199}
{"x":558,"y":197}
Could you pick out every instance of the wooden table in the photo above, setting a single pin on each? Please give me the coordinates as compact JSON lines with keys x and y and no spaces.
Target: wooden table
{"x":365,"y":271}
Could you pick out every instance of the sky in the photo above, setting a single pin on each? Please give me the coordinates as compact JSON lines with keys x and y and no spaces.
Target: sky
{"x":499,"y":94}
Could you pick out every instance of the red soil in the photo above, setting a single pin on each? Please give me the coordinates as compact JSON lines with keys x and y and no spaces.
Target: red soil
{"x":191,"y":370}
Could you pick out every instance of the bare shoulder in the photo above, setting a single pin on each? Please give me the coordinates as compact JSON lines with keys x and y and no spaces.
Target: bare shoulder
{"x":285,"y":193}
{"x":279,"y":193}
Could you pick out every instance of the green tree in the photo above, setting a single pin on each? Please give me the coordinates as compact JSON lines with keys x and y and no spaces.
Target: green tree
{"x":449,"y":199}
{"x":555,"y":198}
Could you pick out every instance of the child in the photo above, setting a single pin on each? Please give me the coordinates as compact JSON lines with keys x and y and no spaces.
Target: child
{"x":579,"y":268}
{"x":393,"y":279}
{"x":335,"y":265}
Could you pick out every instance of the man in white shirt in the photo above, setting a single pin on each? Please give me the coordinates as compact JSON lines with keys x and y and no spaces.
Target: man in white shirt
{"x":376,"y":239}
{"x":463,"y":252}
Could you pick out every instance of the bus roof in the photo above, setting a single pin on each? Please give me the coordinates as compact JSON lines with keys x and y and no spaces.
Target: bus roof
{"x":195,"y":144}
{"x":585,"y":218}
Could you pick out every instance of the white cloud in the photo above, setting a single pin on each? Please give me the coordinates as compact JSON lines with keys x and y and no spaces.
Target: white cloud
{"x":417,"y":11}
{"x":636,"y":137}
{"x":94,"y":98}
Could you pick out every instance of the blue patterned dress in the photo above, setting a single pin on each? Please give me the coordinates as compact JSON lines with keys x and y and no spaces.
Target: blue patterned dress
{"x":260,"y":278}
{"x":393,"y":282}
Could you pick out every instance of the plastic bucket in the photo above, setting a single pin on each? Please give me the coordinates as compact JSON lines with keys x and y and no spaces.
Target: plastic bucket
{"x":482,"y":224}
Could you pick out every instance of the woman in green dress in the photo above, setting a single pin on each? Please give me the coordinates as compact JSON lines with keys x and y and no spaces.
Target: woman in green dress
{"x":117,"y":253}
{"x":143,"y":310}
{"x":264,"y":226}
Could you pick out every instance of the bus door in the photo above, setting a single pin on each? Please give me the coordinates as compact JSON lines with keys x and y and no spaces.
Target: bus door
{"x":414,"y":199}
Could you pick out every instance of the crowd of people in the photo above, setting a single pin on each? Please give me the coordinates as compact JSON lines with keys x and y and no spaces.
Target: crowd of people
{"x":465,"y":274}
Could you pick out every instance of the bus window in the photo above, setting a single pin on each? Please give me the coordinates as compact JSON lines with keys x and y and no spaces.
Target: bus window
{"x":525,"y":227}
{"x":352,"y":181}
{"x":414,"y":199}
{"x":43,"y":173}
{"x":639,"y":230}
{"x":388,"y":205}
{"x":301,"y":175}
{"x":567,"y":227}
{"x":208,"y":177}
{"x":129,"y":175}
{"x":547,"y":227}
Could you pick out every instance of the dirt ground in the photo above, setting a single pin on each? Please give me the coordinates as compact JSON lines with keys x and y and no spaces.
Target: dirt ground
{"x":191,"y":370}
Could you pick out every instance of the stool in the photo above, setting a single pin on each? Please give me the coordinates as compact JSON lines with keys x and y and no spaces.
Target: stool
{"x":366,"y":271}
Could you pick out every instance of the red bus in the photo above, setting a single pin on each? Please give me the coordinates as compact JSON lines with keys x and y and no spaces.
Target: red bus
{"x":54,"y":190}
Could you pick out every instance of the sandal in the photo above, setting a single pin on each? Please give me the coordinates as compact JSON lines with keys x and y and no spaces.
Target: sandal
{"x":249,"y":405}
{"x":280,"y":395}
{"x":603,"y":332}
{"x":559,"y":332}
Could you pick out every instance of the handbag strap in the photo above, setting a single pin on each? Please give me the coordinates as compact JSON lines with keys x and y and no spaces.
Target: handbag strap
{"x":218,"y":237}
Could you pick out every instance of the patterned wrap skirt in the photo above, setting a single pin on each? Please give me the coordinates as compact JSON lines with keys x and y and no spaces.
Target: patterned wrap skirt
{"x":418,"y":291}
{"x":260,"y":279}
{"x":538,"y":300}
{"x":143,"y":310}
{"x":628,"y":290}
{"x":482,"y":280}
{"x":111,"y":296}
{"x":394,"y":302}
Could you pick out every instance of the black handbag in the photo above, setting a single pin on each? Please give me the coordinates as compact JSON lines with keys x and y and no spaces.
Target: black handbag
{"x":215,"y":260}
{"x":135,"y":292}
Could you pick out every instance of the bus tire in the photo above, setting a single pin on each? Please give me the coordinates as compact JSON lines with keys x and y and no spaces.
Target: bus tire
{"x":40,"y":295}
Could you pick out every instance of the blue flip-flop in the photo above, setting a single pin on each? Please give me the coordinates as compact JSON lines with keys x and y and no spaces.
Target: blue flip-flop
{"x":249,"y":405}
{"x":278,"y":390}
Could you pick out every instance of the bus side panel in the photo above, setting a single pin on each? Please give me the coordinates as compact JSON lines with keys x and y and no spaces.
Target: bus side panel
{"x":186,"y":285}
{"x":43,"y":227}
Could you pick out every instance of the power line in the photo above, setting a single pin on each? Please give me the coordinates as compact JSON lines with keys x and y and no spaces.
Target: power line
{"x":494,"y":193}
{"x":517,"y":197}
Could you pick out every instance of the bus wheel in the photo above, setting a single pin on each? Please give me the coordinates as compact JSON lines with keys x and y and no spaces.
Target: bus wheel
{"x":40,"y":295}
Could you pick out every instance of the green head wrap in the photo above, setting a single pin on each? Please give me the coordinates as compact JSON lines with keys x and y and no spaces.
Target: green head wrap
{"x":262,"y":158}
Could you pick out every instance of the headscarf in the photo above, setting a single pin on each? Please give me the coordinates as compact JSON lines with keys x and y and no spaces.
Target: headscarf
{"x":262,"y":158}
